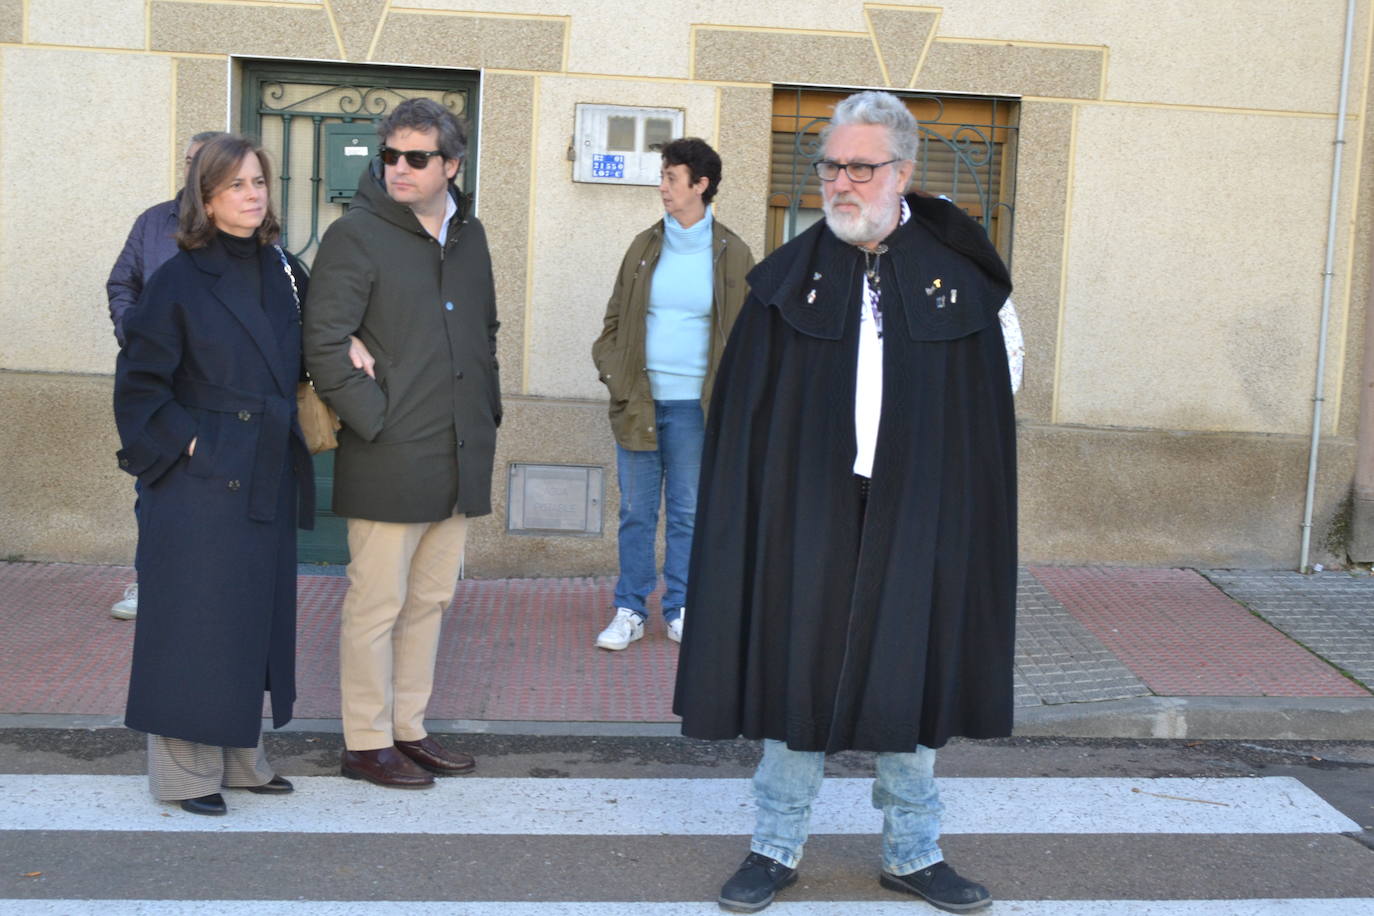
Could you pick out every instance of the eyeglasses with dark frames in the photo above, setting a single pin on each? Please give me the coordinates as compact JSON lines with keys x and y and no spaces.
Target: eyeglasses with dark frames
{"x":415,"y":158}
{"x":858,"y":172}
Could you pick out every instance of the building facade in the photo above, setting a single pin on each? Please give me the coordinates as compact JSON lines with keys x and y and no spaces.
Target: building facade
{"x":1159,"y":177}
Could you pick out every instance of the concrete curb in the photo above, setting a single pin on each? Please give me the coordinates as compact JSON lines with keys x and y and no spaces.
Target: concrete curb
{"x":1271,"y":718}
{"x":1248,"y":718}
{"x":335,"y":727}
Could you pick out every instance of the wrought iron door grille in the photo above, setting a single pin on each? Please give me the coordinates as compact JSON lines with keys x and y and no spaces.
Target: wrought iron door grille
{"x":286,"y":108}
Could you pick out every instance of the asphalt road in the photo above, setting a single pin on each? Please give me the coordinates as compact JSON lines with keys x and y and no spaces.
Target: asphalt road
{"x":1050,"y":825}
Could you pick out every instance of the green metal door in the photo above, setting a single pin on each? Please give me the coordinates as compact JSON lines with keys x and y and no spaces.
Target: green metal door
{"x":312,"y":119}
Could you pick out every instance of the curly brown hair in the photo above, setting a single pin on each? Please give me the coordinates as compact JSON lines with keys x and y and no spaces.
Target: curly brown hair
{"x":700,"y":159}
{"x":214,"y":166}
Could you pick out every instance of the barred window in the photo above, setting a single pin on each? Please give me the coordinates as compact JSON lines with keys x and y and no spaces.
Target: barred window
{"x":968,"y":154}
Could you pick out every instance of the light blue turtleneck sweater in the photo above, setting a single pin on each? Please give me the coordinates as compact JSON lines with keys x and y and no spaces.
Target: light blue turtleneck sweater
{"x":678,"y":328}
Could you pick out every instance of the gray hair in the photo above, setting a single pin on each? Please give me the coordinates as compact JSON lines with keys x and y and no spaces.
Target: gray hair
{"x":427,"y":114}
{"x":885,"y":110}
{"x":205,"y":136}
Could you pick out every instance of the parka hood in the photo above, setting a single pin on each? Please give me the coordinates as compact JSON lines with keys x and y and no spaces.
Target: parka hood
{"x":372,"y":197}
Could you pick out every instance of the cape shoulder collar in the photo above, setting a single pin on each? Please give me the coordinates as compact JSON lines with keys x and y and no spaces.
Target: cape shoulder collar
{"x":813,"y":279}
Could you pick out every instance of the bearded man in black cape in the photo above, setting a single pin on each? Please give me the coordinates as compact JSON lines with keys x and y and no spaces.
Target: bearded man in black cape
{"x":854,"y":565}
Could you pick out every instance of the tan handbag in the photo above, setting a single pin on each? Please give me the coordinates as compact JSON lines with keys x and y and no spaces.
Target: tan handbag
{"x":319,"y":422}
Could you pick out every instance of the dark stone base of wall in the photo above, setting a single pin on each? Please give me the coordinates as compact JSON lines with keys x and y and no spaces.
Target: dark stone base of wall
{"x":1088,"y":495}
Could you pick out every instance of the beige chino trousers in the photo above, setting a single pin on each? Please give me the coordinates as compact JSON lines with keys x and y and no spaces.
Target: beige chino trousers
{"x":401,"y":579}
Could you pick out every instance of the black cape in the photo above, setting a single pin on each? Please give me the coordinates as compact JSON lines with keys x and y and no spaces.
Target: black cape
{"x":811,"y":621}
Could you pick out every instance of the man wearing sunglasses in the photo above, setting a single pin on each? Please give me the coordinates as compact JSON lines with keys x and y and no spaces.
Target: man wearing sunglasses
{"x":854,"y":569}
{"x":408,"y":271}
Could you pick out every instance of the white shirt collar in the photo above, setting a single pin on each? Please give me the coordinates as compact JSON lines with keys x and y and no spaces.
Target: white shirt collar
{"x":450,"y":208}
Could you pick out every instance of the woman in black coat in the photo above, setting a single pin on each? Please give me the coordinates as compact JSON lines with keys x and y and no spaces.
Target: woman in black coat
{"x":204,"y":398}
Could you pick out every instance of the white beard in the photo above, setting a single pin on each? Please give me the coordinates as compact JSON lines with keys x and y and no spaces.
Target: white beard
{"x":869,"y":225}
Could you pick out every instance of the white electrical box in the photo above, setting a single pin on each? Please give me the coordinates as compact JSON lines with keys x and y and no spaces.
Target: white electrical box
{"x":621,"y":144}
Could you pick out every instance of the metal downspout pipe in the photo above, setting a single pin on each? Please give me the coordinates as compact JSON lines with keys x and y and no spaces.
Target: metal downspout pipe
{"x":1319,"y":395}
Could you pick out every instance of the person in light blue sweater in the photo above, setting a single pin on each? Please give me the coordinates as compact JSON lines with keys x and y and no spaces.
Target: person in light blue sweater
{"x":680,"y":286}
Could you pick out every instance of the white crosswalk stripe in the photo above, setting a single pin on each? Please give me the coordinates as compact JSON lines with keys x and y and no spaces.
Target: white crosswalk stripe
{"x":711,"y":807}
{"x":37,"y":812}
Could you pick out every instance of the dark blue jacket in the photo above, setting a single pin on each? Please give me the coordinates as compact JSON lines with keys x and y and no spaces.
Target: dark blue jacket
{"x":151,"y":243}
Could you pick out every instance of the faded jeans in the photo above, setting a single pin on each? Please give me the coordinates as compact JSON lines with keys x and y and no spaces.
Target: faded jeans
{"x":787,"y":781}
{"x":670,"y":473}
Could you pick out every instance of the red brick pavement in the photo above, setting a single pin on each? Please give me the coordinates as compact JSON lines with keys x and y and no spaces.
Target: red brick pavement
{"x":1183,"y":636}
{"x":521,"y":649}
{"x":517,"y":649}
{"x":63,"y":651}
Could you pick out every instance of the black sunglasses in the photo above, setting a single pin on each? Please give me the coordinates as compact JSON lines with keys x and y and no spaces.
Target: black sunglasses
{"x":416,"y":158}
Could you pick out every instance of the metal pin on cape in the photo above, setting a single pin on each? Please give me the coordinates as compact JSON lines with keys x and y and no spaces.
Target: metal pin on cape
{"x":811,"y":297}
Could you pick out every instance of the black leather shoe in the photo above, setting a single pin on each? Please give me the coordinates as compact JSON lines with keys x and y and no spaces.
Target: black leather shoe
{"x":941,"y":887}
{"x":753,"y":886}
{"x":274,"y":786}
{"x":436,"y":758}
{"x":207,"y":804}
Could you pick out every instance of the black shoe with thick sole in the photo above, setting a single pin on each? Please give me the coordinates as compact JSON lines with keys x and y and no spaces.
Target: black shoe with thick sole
{"x":941,"y":887}
{"x":212,"y":804}
{"x":753,"y":886}
{"x":277,"y":785}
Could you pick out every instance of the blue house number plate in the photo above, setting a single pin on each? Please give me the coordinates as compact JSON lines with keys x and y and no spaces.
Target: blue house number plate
{"x":607,"y":165}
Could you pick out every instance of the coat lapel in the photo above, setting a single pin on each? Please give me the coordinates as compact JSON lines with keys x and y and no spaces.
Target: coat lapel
{"x":284,"y":313}
{"x":241,"y":302}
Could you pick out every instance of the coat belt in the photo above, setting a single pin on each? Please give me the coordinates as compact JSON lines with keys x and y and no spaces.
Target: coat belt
{"x":273,"y":439}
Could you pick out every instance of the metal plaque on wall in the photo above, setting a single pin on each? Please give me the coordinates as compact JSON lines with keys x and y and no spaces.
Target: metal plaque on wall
{"x":555,"y":499}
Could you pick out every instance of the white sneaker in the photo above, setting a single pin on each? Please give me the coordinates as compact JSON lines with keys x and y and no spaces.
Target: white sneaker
{"x":623,"y":630}
{"x":675,"y":626}
{"x":127,"y":608}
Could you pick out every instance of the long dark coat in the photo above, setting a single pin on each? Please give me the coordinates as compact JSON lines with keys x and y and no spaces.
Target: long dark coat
{"x":808,"y":625}
{"x":217,"y":530}
{"x":418,"y":441}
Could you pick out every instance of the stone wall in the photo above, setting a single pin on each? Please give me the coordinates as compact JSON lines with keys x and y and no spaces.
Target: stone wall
{"x":1173,"y":179}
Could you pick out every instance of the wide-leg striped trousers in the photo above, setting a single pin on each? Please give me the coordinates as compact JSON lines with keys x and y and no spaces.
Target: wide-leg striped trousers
{"x":179,"y":769}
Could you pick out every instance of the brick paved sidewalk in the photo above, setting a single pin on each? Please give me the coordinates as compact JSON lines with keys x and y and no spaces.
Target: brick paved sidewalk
{"x":521,"y":649}
{"x":1330,"y":613}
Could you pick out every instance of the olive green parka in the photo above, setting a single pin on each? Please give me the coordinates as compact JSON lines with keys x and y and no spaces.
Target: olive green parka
{"x":418,"y":442}
{"x":619,"y":351}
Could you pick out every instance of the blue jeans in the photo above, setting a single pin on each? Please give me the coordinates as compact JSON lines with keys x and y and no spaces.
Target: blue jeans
{"x":669,"y":472}
{"x":786,"y":783}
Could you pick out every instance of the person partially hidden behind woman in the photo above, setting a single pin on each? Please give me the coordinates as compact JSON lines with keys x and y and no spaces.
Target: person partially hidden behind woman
{"x":204,"y":399}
